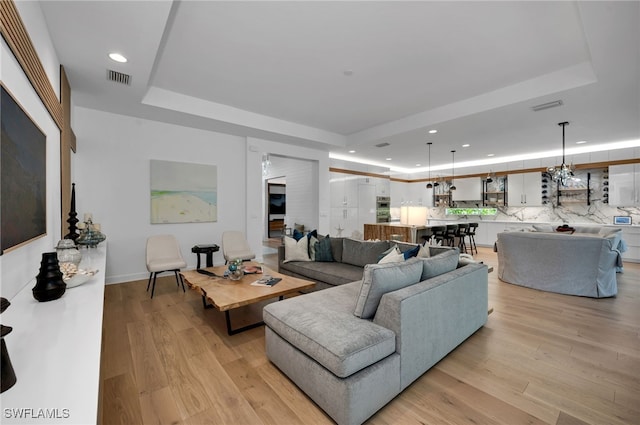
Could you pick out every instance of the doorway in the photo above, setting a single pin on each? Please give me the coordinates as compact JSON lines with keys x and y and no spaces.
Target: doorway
{"x":276,"y":207}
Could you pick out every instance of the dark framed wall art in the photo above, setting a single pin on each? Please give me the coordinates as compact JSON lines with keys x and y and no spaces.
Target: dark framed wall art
{"x":23,"y":180}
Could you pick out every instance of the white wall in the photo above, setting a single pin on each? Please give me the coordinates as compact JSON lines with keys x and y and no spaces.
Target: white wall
{"x":111,"y":172}
{"x":301,"y":190}
{"x":18,"y":267}
{"x":112,"y":182}
{"x":255,"y":185}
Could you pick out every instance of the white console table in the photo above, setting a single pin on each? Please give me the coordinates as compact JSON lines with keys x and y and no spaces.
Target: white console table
{"x":55,"y":351}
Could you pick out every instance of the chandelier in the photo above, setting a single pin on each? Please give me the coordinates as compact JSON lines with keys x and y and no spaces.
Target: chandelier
{"x":563,"y":172}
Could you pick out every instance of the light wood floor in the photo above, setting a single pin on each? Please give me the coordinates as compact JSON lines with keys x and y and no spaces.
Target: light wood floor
{"x":542,"y":358}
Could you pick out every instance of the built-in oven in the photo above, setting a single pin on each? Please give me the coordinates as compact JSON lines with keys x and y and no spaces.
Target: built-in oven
{"x":383,"y":209}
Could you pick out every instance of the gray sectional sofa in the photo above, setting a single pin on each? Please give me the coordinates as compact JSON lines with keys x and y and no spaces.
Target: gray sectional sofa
{"x":355,"y":346}
{"x":583,"y":263}
{"x":349,"y":255}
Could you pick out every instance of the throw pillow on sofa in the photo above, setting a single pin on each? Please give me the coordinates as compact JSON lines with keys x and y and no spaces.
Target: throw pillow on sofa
{"x":393,"y":256}
{"x":424,"y":251}
{"x":359,"y":253}
{"x":323,"y":250}
{"x":296,"y":250}
{"x":313,"y":238}
{"x":297,"y":235}
{"x":413,"y":252}
{"x":312,"y":248}
{"x":378,"y":279}
{"x":440,"y":264}
{"x":383,"y":254}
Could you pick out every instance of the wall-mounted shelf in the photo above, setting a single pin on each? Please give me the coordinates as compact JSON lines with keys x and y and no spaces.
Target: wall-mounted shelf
{"x":491,"y":196}
{"x":575,"y":195}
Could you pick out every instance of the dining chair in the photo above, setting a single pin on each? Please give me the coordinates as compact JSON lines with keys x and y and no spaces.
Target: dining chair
{"x":163,"y":255}
{"x":235,"y":245}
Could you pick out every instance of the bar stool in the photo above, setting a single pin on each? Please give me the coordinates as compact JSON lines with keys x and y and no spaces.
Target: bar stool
{"x":450,"y":234}
{"x":438,"y":232}
{"x":471,"y":234}
{"x":461,"y":233}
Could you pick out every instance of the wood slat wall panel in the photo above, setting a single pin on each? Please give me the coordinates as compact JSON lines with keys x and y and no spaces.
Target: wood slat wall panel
{"x":16,"y":36}
{"x":66,"y":146}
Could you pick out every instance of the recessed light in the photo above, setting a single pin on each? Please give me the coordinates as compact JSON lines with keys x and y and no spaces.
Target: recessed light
{"x":581,"y":142}
{"x":117,"y":57}
{"x":352,"y":151}
{"x":418,"y":165}
{"x":388,"y":159}
{"x":491,"y":154}
{"x":433,"y":131}
{"x":466,"y":145}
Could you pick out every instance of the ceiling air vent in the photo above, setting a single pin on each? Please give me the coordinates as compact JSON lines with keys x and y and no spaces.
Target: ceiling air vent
{"x":118,"y":77}
{"x":547,"y":105}
{"x":382,"y":145}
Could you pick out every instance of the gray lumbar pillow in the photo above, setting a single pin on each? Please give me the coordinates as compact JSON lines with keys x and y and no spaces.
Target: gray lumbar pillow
{"x":440,"y":264}
{"x":378,"y":279}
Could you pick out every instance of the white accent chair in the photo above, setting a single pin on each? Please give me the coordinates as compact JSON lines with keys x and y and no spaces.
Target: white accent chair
{"x":163,"y":255}
{"x":235,"y":245}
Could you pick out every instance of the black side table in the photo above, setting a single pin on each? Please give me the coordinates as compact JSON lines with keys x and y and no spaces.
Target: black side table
{"x":205,"y":249}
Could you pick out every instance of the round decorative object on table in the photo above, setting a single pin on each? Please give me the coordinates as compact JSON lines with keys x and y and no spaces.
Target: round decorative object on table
{"x":49,"y":283}
{"x":80,"y":277}
{"x":90,"y":236}
{"x":236,"y":270}
{"x":67,"y":252}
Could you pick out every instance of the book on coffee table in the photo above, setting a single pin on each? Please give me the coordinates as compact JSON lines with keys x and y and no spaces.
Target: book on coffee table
{"x":266,"y":281}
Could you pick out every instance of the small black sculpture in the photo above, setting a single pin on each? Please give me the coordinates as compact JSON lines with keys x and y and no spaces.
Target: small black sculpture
{"x":72,"y":220}
{"x":8,"y":375}
{"x":49,"y":283}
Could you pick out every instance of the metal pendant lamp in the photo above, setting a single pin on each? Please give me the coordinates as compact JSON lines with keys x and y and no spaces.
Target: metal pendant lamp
{"x":429,"y":185}
{"x":453,"y":161}
{"x":490,"y":177}
{"x":563,"y":172}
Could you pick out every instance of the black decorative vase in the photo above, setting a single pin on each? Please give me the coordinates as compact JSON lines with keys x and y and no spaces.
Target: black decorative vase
{"x":8,"y":375}
{"x":49,"y":283}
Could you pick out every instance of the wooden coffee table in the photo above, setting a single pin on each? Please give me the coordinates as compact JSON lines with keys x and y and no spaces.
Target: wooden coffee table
{"x":225,"y":294}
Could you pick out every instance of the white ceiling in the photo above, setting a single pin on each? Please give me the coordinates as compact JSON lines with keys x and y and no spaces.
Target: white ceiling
{"x":276,"y":70}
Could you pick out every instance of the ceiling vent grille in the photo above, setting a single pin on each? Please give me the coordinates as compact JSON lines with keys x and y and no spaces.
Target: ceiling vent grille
{"x":547,"y":105}
{"x":118,"y":77}
{"x":382,"y":145}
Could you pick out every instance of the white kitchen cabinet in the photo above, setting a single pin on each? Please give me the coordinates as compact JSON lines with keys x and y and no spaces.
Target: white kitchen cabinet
{"x":344,"y":222}
{"x":344,"y":190}
{"x":336,"y":188}
{"x":624,"y":185}
{"x":631,"y":237}
{"x":525,"y":189}
{"x":469,"y":189}
{"x":493,"y":228}
{"x":366,"y":204}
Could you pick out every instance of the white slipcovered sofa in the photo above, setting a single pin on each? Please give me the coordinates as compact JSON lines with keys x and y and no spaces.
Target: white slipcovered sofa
{"x":583,"y":263}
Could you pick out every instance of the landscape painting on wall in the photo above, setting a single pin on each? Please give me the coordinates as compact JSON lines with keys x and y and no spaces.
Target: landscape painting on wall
{"x":183,"y":192}
{"x":23,"y":180}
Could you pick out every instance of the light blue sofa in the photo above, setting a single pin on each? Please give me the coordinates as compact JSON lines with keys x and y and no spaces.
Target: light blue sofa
{"x":583,"y":263}
{"x":411,"y":316}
